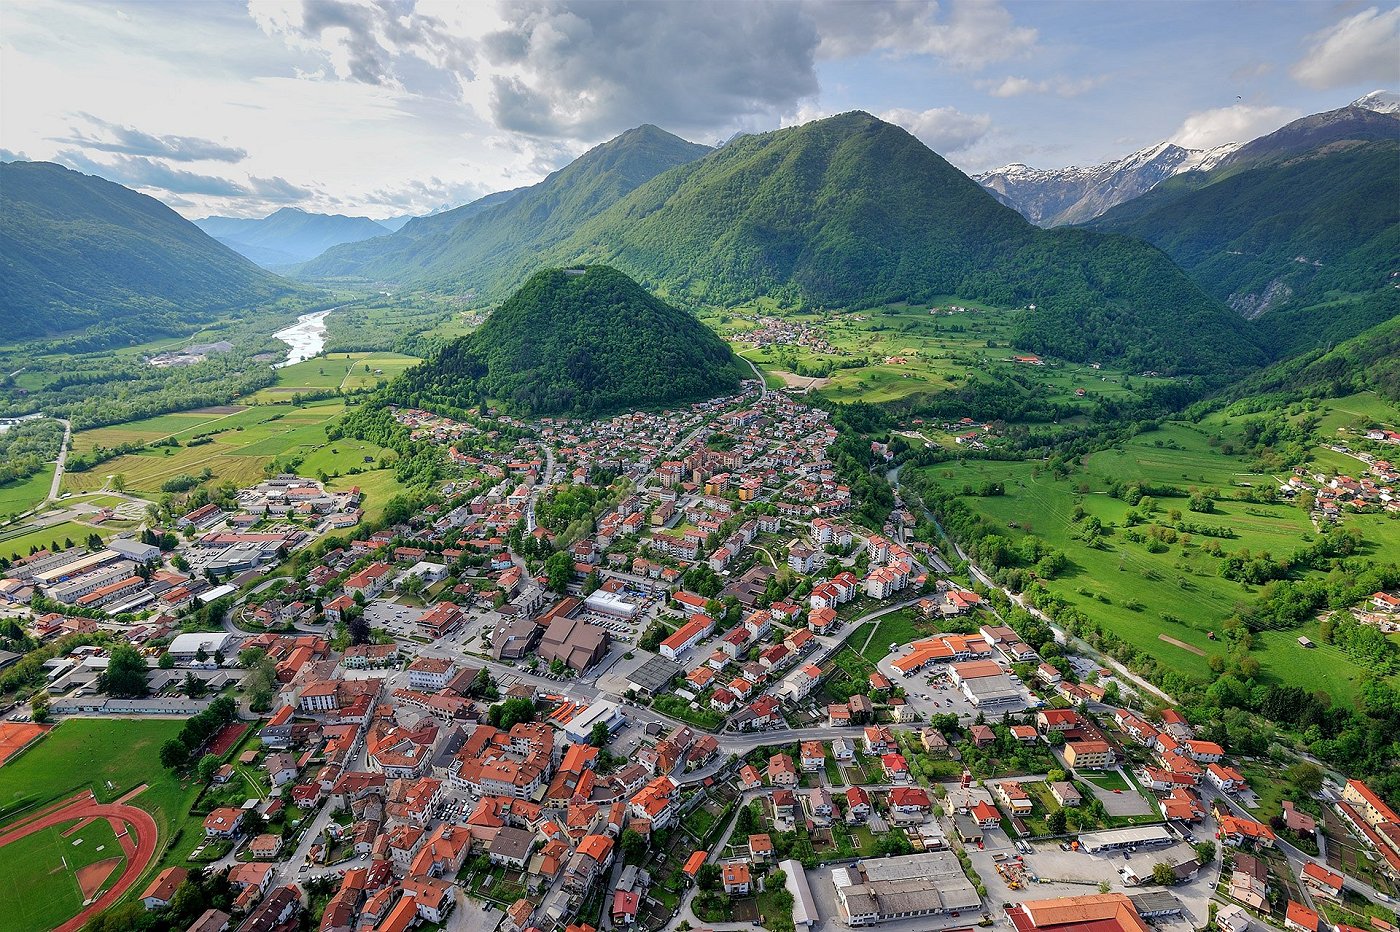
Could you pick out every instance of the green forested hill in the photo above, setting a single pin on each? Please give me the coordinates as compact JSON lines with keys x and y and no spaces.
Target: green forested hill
{"x":571,"y":342}
{"x":78,"y":251}
{"x":1299,"y":229}
{"x":852,"y":211}
{"x":473,"y":248}
{"x":1367,"y":362}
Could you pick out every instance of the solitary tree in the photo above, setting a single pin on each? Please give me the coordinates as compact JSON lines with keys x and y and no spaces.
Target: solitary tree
{"x":600,"y":734}
{"x":1163,"y":874}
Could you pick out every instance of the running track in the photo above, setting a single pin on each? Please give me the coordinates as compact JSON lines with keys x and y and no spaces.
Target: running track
{"x":84,"y":806}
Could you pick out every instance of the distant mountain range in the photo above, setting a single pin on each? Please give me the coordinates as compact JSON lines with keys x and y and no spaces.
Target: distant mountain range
{"x":77,"y":251}
{"x":1054,"y":196}
{"x":1299,"y":228}
{"x":580,"y":342}
{"x":500,"y":236}
{"x":290,"y":235}
{"x":1297,"y":231}
{"x":1057,"y":196}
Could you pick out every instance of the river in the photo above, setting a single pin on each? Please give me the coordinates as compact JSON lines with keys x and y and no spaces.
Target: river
{"x":305,"y":338}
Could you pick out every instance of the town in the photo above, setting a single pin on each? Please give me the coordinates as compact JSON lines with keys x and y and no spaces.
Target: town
{"x":651,"y":672}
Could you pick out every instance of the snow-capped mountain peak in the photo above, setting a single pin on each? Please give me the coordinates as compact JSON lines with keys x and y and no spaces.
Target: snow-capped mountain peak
{"x":1379,"y":101}
{"x":1074,"y":194}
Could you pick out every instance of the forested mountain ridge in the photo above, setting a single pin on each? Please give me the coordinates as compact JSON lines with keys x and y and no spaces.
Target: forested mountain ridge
{"x":79,"y":251}
{"x":581,"y":342}
{"x":473,"y":247}
{"x":1299,"y":229}
{"x":289,"y":235}
{"x":851,"y":211}
{"x":1368,"y":362}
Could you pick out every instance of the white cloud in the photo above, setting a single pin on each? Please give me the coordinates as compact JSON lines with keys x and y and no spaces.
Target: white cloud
{"x":1362,"y":49}
{"x":1239,"y":123}
{"x":129,"y":140}
{"x":945,"y":130}
{"x":366,"y":41}
{"x":1060,"y":86}
{"x":972,"y":35}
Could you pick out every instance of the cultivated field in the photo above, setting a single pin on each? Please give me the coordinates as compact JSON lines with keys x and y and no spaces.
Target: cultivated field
{"x":1166,"y":603}
{"x":242,"y":444}
{"x":151,"y":429}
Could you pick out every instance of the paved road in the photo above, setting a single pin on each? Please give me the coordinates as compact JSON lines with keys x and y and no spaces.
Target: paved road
{"x":1297,"y":856}
{"x":62,"y":457}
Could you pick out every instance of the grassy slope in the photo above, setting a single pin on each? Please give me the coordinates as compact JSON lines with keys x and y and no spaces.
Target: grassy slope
{"x":17,"y":497}
{"x":1181,"y":582}
{"x":939,"y":352}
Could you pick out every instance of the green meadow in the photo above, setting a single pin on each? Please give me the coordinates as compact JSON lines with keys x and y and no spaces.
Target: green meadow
{"x":343,"y":371}
{"x":19,"y":497}
{"x":903,"y":349}
{"x":1160,"y":601}
{"x":241,"y":444}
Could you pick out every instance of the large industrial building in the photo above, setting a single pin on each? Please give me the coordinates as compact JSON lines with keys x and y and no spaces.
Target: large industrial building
{"x":886,"y":889}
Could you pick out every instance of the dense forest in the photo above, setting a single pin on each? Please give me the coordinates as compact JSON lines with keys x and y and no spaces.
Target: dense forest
{"x":81,"y":252}
{"x":576,"y":342}
{"x":854,"y":212}
{"x":27,"y":447}
{"x":1368,"y":362}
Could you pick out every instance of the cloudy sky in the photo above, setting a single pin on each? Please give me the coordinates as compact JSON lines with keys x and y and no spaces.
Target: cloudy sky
{"x":384,"y":108}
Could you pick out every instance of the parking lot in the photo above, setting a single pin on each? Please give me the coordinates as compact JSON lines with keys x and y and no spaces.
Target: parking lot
{"x":931,"y":692}
{"x":398,"y":620}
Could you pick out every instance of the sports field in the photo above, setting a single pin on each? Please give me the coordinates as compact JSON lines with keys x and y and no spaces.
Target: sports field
{"x":42,"y":875}
{"x":110,"y":757}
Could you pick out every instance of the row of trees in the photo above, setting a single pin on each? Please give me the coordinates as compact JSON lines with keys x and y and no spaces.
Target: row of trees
{"x":179,"y":752}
